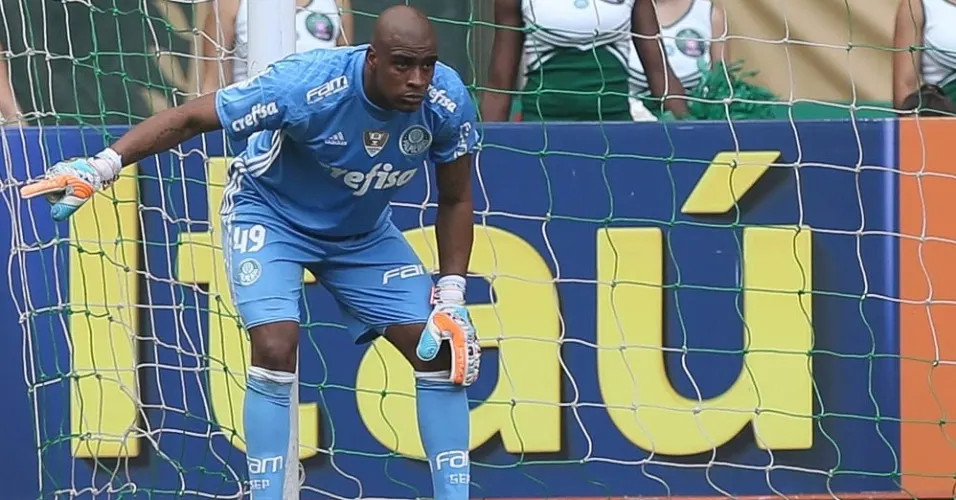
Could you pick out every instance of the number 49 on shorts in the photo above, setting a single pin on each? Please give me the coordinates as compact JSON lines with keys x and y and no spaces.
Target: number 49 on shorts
{"x":248,"y":239}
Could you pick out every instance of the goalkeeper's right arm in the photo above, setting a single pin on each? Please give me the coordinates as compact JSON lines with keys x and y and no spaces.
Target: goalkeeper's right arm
{"x":70,"y":183}
{"x":272,"y":100}
{"x":168,"y":128}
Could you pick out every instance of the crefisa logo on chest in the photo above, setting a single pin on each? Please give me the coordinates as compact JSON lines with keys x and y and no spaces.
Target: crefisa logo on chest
{"x":382,"y":176}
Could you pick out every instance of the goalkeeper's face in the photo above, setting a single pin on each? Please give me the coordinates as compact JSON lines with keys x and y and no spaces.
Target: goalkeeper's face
{"x":403,"y":72}
{"x":402,"y":59}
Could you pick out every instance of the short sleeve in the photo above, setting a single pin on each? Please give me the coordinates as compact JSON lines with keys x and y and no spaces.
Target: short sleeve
{"x":266,"y":101}
{"x":458,"y":135}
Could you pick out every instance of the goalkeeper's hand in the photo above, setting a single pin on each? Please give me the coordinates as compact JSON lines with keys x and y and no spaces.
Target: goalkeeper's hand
{"x":70,"y":183}
{"x":450,"y":322}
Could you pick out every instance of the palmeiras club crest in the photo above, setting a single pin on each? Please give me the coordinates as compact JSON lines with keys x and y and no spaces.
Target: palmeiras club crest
{"x":320,"y":26}
{"x":415,"y":140}
{"x":374,"y":141}
{"x":691,"y":43}
{"x":248,"y":272}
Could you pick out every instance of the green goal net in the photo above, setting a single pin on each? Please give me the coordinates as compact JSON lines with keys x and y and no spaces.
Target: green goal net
{"x":702,"y":308}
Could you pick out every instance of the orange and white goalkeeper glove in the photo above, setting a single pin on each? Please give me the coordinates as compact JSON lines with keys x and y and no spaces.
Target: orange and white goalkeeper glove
{"x":71,"y":183}
{"x":450,"y":322}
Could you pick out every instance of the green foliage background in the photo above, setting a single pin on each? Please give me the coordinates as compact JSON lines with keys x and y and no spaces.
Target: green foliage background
{"x":100,"y":62}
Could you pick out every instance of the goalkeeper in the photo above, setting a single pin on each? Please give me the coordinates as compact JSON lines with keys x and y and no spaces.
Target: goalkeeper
{"x":332,"y":135}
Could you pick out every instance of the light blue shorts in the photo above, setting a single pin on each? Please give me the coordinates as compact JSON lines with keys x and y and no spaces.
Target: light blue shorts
{"x":376,"y":278}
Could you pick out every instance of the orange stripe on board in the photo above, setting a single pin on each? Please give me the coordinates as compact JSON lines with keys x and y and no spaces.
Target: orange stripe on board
{"x":928,"y":326}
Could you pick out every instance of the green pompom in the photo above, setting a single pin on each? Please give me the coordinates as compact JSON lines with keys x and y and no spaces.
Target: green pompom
{"x":747,"y":101}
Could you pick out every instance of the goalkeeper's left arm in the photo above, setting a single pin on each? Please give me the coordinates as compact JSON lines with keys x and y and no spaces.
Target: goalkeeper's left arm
{"x":455,"y":220}
{"x":451,"y":152}
{"x":450,"y":320}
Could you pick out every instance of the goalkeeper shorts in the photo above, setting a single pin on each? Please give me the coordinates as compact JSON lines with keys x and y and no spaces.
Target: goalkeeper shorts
{"x":376,"y":279}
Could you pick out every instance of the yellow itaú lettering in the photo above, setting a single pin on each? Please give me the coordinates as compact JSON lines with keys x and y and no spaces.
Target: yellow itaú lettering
{"x":774,"y":388}
{"x":104,"y":257}
{"x":523,"y":324}
{"x":201,"y":261}
{"x":730,"y":175}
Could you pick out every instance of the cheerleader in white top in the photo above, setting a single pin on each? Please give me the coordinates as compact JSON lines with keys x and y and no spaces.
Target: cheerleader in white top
{"x":318,"y":24}
{"x":575,"y":53}
{"x":693,"y":33}
{"x":925,"y":60}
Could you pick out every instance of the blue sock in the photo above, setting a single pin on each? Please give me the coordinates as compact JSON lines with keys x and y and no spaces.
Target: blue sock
{"x":443,"y":422}
{"x":266,"y":418}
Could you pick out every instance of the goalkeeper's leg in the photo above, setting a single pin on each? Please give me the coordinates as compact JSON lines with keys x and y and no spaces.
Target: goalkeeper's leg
{"x":382,"y":287}
{"x":267,"y":409}
{"x":266,"y":282}
{"x":443,"y":415}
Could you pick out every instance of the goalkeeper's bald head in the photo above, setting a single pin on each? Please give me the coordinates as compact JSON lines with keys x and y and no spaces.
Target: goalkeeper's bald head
{"x":402,"y":58}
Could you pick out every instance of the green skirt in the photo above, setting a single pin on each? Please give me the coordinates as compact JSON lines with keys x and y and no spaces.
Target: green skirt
{"x":576,"y":85}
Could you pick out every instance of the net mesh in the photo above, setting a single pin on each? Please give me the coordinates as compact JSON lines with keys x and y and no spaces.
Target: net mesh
{"x":709,"y":311}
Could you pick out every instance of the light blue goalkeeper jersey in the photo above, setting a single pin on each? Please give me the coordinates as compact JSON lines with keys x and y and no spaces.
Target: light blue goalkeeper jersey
{"x":322,"y":156}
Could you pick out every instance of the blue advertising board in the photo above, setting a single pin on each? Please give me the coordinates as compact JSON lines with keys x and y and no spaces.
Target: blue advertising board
{"x":679,"y":309}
